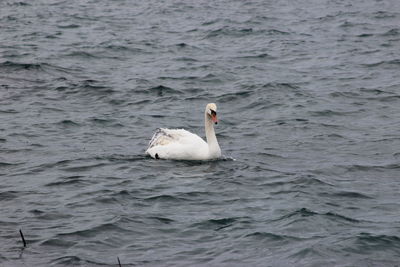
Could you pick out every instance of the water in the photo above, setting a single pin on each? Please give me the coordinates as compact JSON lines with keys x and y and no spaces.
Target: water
{"x":308,"y":96}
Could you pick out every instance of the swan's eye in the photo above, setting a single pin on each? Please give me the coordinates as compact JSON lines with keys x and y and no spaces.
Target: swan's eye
{"x":213,"y":113}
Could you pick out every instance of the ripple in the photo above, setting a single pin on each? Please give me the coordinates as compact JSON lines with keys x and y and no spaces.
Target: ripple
{"x":339,"y":217}
{"x":329,"y":113}
{"x":8,"y":195}
{"x":67,"y":123}
{"x":258,"y":56}
{"x":69,"y":26}
{"x":383,"y":63}
{"x":378,"y":241}
{"x":216,"y":224}
{"x":305,"y":213}
{"x":56,"y":242}
{"x":161,"y":90}
{"x":165,"y":198}
{"x":392,"y":32}
{"x":281,"y":85}
{"x":14,"y":66}
{"x":162,"y":220}
{"x":228,"y":31}
{"x":271,"y":237}
{"x":83,"y":168}
{"x":226,"y":98}
{"x":8,"y":164}
{"x":71,"y":260}
{"x":306,"y":252}
{"x":69,"y":180}
{"x":93,"y":231}
{"x":355,"y":167}
{"x":82,"y":54}
{"x":347,"y":194}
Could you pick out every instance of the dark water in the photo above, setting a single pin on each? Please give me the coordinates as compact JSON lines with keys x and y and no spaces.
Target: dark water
{"x":308,"y":95}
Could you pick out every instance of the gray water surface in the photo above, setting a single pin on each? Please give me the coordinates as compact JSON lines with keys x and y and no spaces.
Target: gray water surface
{"x":308,"y":96}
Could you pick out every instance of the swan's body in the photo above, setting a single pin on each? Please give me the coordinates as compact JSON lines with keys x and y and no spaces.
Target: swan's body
{"x":180,"y":144}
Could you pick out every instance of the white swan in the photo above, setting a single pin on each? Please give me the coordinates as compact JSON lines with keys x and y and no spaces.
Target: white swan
{"x":180,"y":144}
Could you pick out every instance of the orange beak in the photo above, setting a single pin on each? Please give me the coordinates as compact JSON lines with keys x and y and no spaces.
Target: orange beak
{"x":214,"y":118}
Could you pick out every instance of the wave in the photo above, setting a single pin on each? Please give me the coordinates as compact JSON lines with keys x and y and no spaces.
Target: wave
{"x":9,"y":66}
{"x":125,"y":48}
{"x":220,"y":223}
{"x":365,"y":35}
{"x":82,"y":54}
{"x":257,"y":56}
{"x":186,"y":59}
{"x":383,"y":241}
{"x":228,"y":31}
{"x":68,"y":180}
{"x":50,"y":215}
{"x":165,"y":198}
{"x":95,"y":87}
{"x":9,"y":195}
{"x":309,"y":180}
{"x":371,"y":244}
{"x":301,"y":213}
{"x":56,"y":242}
{"x":271,"y":237}
{"x":161,"y":90}
{"x":346,"y":194}
{"x":345,"y":94}
{"x":384,"y":14}
{"x":73,"y":260}
{"x":162,"y":220}
{"x":9,"y":111}
{"x":68,"y":123}
{"x":305,"y":253}
{"x":121,"y":158}
{"x":18,"y":3}
{"x":329,"y":113}
{"x":231,"y":31}
{"x":385,"y":63}
{"x":83,"y":168}
{"x":229,"y":97}
{"x":69,"y":26}
{"x":106,"y":122}
{"x":281,"y":85}
{"x":340,"y":217}
{"x":186,"y":46}
{"x":375,"y":91}
{"x":356,"y":167}
{"x":93,"y":231}
{"x":8,"y":164}
{"x":391,"y":32}
{"x":301,"y":182}
{"x":78,"y":164}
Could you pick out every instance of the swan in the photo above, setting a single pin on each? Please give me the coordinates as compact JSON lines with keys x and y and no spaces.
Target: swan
{"x":179,"y":144}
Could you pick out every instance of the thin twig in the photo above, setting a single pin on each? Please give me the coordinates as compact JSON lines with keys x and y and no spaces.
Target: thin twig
{"x":119,"y":263}
{"x":23,"y":238}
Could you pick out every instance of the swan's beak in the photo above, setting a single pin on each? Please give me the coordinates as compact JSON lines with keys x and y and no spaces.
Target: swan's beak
{"x":214,"y":118}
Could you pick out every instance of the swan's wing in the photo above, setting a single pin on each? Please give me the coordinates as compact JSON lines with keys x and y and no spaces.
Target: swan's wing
{"x":164,"y":137}
{"x":176,"y":144}
{"x":160,"y":137}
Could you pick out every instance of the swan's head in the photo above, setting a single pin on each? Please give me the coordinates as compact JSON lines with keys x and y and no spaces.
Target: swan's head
{"x":211,"y":111}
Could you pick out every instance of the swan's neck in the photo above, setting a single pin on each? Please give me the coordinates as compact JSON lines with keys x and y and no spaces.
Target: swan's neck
{"x":212,"y":142}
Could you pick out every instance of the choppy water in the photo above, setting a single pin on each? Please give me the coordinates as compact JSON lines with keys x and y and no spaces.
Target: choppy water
{"x":308,"y":95}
